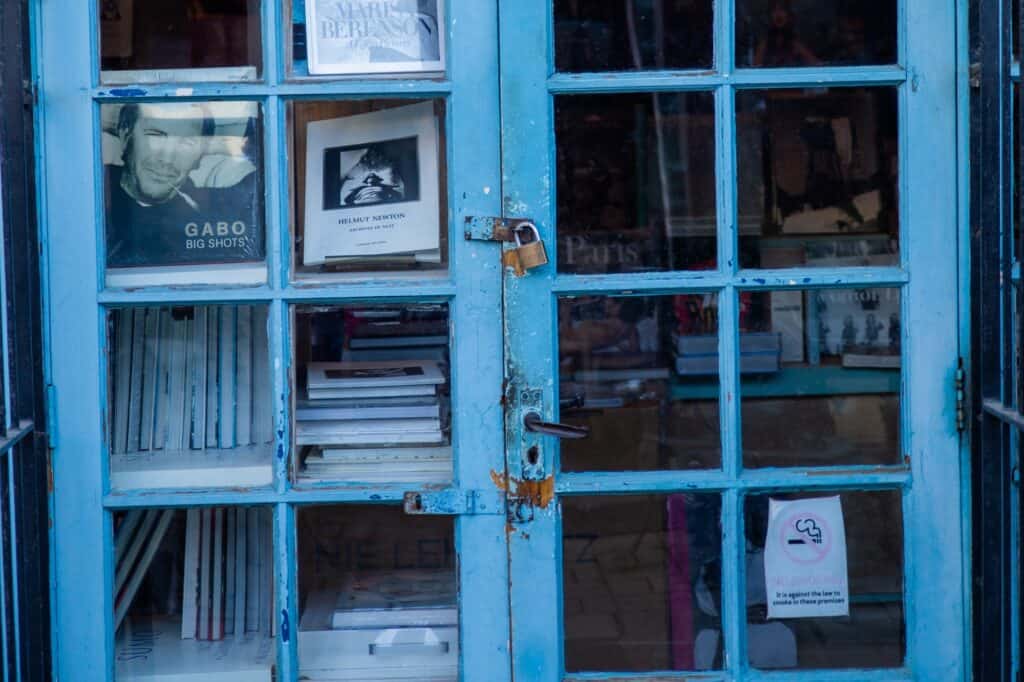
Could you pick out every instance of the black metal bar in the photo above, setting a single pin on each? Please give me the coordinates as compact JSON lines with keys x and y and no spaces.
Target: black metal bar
{"x":991,"y":341}
{"x":1004,"y":413}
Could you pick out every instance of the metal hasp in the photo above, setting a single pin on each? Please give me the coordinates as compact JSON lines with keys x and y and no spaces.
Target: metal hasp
{"x":454,"y":503}
{"x":525,"y":255}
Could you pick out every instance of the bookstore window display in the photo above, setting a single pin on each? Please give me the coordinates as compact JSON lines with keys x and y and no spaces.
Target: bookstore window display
{"x":378,"y":597}
{"x":183,"y":193}
{"x":373,"y":399}
{"x":817,"y":177}
{"x":369,"y":187}
{"x":622,"y":361}
{"x":200,"y":40}
{"x":194,"y":594}
{"x":839,"y":378}
{"x":636,"y":182}
{"x":189,"y":397}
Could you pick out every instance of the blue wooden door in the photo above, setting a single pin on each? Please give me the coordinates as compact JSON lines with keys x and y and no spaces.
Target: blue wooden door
{"x":264,"y":322}
{"x":751,"y":217}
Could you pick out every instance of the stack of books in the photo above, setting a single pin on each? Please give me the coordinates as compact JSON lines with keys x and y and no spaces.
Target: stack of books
{"x":697,"y":355}
{"x":346,"y":633}
{"x":191,"y":397}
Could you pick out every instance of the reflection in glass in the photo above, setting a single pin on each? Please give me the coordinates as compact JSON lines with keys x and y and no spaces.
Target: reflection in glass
{"x":872,"y":636}
{"x":222,"y":37}
{"x":183,"y":187}
{"x":190,"y":397}
{"x":642,"y":374}
{"x":817,"y":177}
{"x":636,"y":182}
{"x":373,"y":393}
{"x":838,"y":381}
{"x":194,"y":594}
{"x":594,"y":35}
{"x":642,"y":582}
{"x":377,"y":595}
{"x":815,"y":33}
{"x":370,"y":186}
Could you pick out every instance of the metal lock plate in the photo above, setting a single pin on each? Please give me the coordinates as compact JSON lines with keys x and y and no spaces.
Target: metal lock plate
{"x":531,"y":252}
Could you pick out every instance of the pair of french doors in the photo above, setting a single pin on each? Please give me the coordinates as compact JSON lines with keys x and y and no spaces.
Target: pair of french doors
{"x":751,"y":217}
{"x":750,"y":327}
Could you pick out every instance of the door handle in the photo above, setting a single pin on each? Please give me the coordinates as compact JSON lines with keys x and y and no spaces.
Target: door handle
{"x":533,"y":423}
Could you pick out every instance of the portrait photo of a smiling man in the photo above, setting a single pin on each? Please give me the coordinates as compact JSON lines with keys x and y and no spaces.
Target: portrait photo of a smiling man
{"x":182,"y":184}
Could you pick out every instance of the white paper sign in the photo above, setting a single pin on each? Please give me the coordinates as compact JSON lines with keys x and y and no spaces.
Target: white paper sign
{"x":805,"y":559}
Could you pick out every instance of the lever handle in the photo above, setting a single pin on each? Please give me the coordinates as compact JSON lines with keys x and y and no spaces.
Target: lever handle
{"x":533,"y":422}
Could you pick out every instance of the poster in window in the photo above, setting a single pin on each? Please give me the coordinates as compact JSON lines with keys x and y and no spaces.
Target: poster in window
{"x":374,"y":36}
{"x":372,"y":185}
{"x":183,"y":183}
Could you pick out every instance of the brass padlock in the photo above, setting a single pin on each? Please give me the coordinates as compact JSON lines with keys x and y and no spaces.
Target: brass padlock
{"x":510,"y":259}
{"x":531,"y":254}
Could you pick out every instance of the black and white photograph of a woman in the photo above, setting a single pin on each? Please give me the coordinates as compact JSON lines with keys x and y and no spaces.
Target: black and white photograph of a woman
{"x":385,"y":172}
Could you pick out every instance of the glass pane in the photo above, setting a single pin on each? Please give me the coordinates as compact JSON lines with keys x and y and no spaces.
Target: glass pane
{"x":815,"y":32}
{"x":642,"y":374}
{"x":373,"y":394}
{"x":594,"y":35}
{"x":378,"y":595}
{"x":636,"y":182}
{"x":190,"y":397}
{"x":160,"y":40}
{"x":183,"y":193}
{"x":642,"y":582}
{"x":194,"y":594}
{"x":369,"y":186}
{"x":872,"y":635}
{"x":832,"y":393}
{"x":817,"y":177}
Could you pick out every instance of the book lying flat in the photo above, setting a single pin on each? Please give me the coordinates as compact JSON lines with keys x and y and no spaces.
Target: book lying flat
{"x":248,"y":466}
{"x":358,"y":426}
{"x":371,"y":392}
{"x":398,"y":341}
{"x":399,"y":598}
{"x":344,"y":375}
{"x":384,"y":455}
{"x":360,"y":439}
{"x":333,"y":410}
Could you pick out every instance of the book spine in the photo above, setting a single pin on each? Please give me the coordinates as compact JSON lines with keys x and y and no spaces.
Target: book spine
{"x":229,"y":571}
{"x":263,"y":414}
{"x":217,"y":613}
{"x":205,"y":577}
{"x":176,"y":386}
{"x":197,"y":435}
{"x":241,"y":560}
{"x":212,"y":367}
{"x":190,"y":581}
{"x":150,"y":377}
{"x":252,"y":567}
{"x":122,"y":322}
{"x":226,"y":381}
{"x":243,"y":376}
{"x":135,"y":388}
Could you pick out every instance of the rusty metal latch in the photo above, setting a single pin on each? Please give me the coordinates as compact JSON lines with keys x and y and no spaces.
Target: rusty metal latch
{"x":491,"y":229}
{"x":453,"y":502}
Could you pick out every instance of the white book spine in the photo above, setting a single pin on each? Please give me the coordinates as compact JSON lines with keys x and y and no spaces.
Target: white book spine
{"x":150,"y":378}
{"x":263,"y":414}
{"x":212,"y":367}
{"x":252,"y":566}
{"x":176,"y":386}
{"x":163,"y":396}
{"x":197,"y":437}
{"x":267,"y":572}
{"x":135,"y":388}
{"x":134,"y":549}
{"x":226,"y":373}
{"x":217,"y":614}
{"x":190,"y":581}
{"x":241,"y":558}
{"x":243,"y":374}
{"x":122,"y":359}
{"x":132,"y":586}
{"x":205,"y":578}
{"x":229,"y":571}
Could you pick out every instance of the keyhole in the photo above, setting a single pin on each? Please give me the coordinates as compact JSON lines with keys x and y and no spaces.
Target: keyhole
{"x":533,"y":455}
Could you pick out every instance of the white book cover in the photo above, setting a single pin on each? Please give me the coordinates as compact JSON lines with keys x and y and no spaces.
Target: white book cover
{"x":334,"y":410}
{"x":334,"y":375}
{"x":368,"y":37}
{"x":371,"y":392}
{"x":190,"y":582}
{"x":150,"y":379}
{"x":250,"y":466}
{"x":372,"y":184}
{"x":226,"y":378}
{"x":138,"y":542}
{"x":399,"y":598}
{"x":243,"y":375}
{"x":151,"y":651}
{"x":365,"y":439}
{"x":212,"y":370}
{"x":788,"y":320}
{"x":139,"y":571}
{"x":135,"y":389}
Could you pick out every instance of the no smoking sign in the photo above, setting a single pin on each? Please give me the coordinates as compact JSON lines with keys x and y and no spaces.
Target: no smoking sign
{"x":805,"y":559}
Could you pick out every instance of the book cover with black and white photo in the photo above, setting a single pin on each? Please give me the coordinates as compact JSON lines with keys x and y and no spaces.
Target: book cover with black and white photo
{"x":328,"y":375}
{"x":374,"y":36}
{"x":372,"y":185}
{"x":183,"y":184}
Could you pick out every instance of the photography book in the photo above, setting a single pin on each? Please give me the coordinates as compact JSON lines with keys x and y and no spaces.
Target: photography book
{"x":374,"y":36}
{"x":372,"y":185}
{"x":344,"y":375}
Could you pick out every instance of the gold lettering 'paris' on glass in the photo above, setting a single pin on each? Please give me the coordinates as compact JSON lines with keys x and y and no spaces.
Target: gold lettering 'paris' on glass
{"x":183,"y":193}
{"x":142,"y":41}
